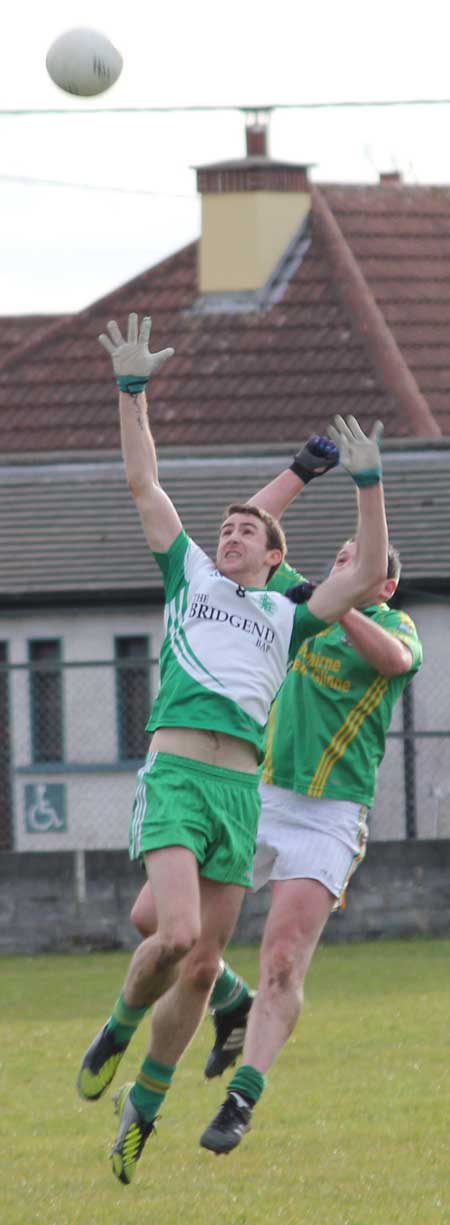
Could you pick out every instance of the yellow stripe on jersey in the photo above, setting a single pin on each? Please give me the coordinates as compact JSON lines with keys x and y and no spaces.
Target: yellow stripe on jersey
{"x":297,"y":666}
{"x":350,"y":728}
{"x":267,"y":774}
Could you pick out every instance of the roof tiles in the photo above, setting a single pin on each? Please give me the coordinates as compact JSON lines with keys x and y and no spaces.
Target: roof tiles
{"x":69,"y":529}
{"x":247,"y":376}
{"x":400,"y":236}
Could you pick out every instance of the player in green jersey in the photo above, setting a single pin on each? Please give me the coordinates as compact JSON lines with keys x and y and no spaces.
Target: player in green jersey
{"x":327,"y":736}
{"x":227,"y":646}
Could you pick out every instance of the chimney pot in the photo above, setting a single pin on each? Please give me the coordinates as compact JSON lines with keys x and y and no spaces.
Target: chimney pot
{"x":390,"y":176}
{"x":256,"y":140}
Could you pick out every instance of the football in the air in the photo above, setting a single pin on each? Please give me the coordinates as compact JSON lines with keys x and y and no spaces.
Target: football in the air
{"x":83,"y":62}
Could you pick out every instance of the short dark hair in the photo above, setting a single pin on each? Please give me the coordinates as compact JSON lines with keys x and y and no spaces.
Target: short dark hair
{"x":394,"y":565}
{"x":275,"y":536}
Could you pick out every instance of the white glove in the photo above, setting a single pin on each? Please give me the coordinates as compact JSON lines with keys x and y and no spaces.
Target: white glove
{"x":359,"y":454}
{"x":132,"y":361}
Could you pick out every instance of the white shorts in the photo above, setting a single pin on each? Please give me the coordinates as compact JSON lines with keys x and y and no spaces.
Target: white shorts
{"x":303,"y":837}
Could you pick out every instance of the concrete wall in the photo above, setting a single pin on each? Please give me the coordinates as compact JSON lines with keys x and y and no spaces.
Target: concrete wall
{"x":63,"y":900}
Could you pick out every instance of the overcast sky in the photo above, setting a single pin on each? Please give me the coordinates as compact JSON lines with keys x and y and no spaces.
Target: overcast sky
{"x":64,"y":246}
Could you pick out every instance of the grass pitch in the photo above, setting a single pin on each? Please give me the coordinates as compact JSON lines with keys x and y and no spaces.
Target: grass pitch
{"x":353,"y":1128}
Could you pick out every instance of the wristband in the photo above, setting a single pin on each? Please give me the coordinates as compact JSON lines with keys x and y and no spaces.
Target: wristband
{"x":132,"y":384}
{"x":301,"y":471}
{"x":371,"y":476}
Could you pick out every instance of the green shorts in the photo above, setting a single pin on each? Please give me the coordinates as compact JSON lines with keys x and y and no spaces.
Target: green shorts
{"x":212,"y":811}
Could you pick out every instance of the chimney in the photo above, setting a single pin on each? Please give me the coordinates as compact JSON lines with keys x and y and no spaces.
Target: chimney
{"x":252,"y":208}
{"x":256,"y":136}
{"x":390,"y":176}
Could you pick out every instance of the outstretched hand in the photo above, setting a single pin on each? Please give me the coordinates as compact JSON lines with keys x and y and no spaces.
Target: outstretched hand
{"x":316,"y":457}
{"x":359,"y":452}
{"x":131,"y":358}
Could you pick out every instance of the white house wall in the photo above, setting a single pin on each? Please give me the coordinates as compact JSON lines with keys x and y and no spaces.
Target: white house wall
{"x":431,"y":699}
{"x":99,"y":789}
{"x":432,"y":711}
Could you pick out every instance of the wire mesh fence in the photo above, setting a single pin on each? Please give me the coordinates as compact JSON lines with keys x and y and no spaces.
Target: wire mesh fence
{"x":74,"y":737}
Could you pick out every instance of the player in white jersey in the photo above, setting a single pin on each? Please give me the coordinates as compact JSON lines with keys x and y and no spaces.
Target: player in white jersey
{"x":227,"y":646}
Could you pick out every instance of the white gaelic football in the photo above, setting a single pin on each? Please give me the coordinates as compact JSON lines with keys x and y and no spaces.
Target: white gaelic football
{"x":83,"y":62}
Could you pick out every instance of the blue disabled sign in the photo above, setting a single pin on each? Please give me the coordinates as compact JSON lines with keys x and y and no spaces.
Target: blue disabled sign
{"x":45,"y":808}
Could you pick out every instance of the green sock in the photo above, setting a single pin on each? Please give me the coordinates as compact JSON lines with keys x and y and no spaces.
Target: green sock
{"x":249,"y":1083}
{"x":124,"y":1020}
{"x":229,"y":991}
{"x":151,"y":1086}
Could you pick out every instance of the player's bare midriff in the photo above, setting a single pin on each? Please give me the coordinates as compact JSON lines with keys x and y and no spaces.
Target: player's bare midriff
{"x":213,"y":748}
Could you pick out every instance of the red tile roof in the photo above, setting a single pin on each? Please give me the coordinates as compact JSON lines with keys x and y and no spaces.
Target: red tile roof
{"x":400,"y":236}
{"x":19,"y":329}
{"x":275,"y":374}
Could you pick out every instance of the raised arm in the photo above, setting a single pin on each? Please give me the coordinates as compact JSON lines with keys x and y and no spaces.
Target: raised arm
{"x":388,"y":654}
{"x":133,"y":366}
{"x":317,"y":457}
{"x":361,"y":457}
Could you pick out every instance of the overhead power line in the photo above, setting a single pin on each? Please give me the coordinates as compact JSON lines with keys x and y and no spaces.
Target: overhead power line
{"x":274,"y":106}
{"x":29,"y":180}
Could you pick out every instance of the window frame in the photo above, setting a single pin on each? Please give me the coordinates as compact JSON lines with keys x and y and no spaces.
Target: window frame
{"x":57,"y":667}
{"x":145,"y":662}
{"x":6,"y":834}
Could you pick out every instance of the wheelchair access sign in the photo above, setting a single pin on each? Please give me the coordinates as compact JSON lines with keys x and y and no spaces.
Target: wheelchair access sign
{"x":45,"y":808}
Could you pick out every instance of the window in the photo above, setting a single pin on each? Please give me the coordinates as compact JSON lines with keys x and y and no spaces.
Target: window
{"x":133,"y":695}
{"x":46,"y":700}
{"x":5,"y":756}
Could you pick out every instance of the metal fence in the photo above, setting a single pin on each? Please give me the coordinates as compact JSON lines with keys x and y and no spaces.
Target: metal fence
{"x":74,"y":737}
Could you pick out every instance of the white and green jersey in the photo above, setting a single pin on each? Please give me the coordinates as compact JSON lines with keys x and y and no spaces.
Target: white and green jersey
{"x":226,"y":647}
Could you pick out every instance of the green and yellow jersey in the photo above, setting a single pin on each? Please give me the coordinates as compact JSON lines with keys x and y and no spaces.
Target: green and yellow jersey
{"x":284,"y":577}
{"x":327,"y":729}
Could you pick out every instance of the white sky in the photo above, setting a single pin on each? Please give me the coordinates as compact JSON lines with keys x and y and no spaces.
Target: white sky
{"x":62,"y":247}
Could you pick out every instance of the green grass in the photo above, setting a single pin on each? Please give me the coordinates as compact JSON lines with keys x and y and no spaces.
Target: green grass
{"x":353,"y":1128}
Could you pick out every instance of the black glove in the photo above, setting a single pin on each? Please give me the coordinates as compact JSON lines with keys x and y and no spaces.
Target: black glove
{"x":301,"y":592}
{"x":316,"y":458}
